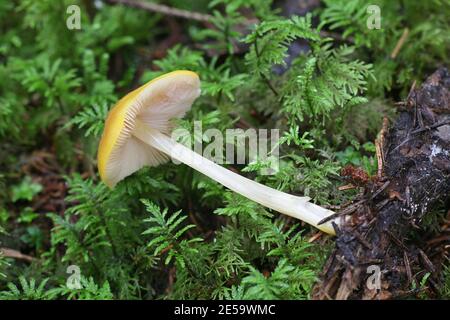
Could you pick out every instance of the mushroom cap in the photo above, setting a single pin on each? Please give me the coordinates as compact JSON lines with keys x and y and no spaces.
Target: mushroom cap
{"x":154,"y":104}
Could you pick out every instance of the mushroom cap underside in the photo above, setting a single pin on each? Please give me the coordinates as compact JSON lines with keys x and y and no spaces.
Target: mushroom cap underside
{"x":154,"y":104}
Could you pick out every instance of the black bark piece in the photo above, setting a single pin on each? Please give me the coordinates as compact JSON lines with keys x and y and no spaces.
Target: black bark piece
{"x":380,"y":232}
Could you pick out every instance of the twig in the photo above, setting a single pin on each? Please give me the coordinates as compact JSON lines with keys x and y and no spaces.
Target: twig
{"x":428,"y":264}
{"x":315,"y":237}
{"x":361,"y":239}
{"x":379,"y":153}
{"x":381,"y":189}
{"x":379,"y":145}
{"x":400,"y":43}
{"x":431,"y":127}
{"x":407,"y":266}
{"x":11,"y":253}
{"x":382,"y":204}
{"x":350,"y":209}
{"x":438,"y":239}
{"x":337,"y":207}
{"x":411,"y":91}
{"x":160,"y":8}
{"x":346,"y":187}
{"x":396,"y":240}
{"x":330,"y":217}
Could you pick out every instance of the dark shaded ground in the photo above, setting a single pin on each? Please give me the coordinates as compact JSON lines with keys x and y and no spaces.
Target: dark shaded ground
{"x":383,"y":226}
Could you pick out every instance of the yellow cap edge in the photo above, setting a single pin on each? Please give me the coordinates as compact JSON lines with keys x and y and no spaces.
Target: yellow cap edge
{"x":115,"y":122}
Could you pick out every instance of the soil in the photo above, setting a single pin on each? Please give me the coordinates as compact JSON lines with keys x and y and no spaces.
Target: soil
{"x":380,"y":251}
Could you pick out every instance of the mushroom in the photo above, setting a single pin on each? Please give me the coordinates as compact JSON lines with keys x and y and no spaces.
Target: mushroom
{"x":137,"y":133}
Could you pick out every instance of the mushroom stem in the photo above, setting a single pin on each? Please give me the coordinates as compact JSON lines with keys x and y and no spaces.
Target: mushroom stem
{"x":294,"y":206}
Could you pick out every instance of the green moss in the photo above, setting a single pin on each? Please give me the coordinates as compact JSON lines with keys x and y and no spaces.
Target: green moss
{"x":190,"y":238}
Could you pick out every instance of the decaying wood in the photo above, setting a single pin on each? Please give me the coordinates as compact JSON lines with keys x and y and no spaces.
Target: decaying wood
{"x":380,"y":231}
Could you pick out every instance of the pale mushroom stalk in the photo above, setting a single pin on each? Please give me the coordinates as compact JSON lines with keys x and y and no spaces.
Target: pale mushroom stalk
{"x":137,"y":134}
{"x":294,"y":206}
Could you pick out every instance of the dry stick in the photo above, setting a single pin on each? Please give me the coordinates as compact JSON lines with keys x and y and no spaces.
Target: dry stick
{"x":361,"y":239}
{"x":411,"y":91}
{"x":315,"y":237}
{"x":400,"y":43}
{"x":379,"y":144}
{"x":407,"y":266}
{"x":346,"y":187}
{"x":433,"y":126}
{"x":350,"y":209}
{"x":11,"y":253}
{"x":160,"y":8}
{"x":379,"y":153}
{"x":424,"y":128}
{"x":428,"y":264}
{"x":381,"y":189}
{"x":396,"y":240}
